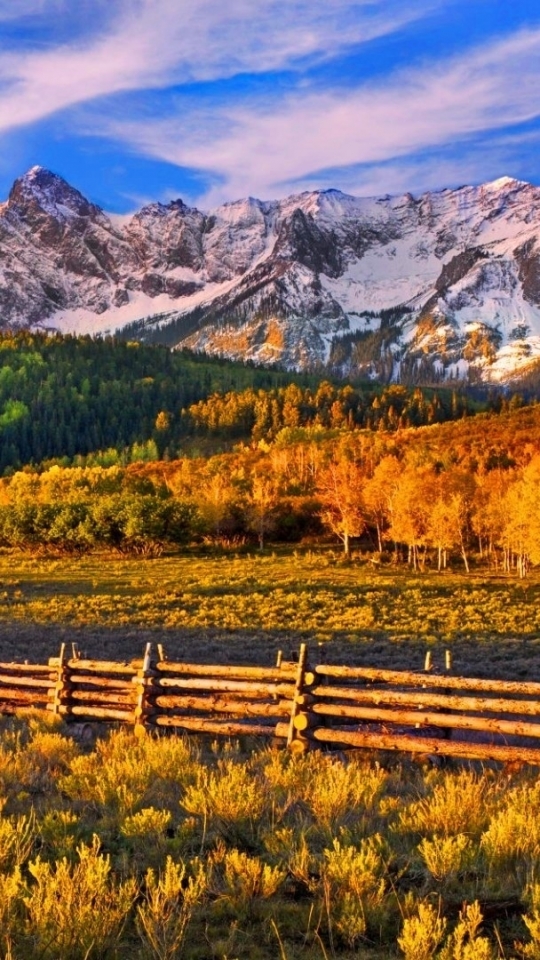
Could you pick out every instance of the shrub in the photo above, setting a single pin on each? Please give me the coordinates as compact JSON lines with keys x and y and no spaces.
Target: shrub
{"x":355,"y":888}
{"x":77,"y":912}
{"x":170,"y":901}
{"x":422,"y":933}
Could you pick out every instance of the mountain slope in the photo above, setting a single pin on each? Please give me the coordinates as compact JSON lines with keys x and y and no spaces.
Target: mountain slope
{"x":443,"y":285}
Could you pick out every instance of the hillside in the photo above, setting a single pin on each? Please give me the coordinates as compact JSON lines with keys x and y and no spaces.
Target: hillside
{"x":62,"y":397}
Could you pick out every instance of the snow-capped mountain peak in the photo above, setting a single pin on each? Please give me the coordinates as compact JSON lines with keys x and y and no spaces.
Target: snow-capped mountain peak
{"x":446,"y":284}
{"x":46,"y":190}
{"x":503,"y":183}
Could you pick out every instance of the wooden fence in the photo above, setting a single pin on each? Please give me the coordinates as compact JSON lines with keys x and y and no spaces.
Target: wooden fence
{"x":303,"y":706}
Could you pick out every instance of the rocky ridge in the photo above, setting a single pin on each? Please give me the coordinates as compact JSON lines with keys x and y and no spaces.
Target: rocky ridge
{"x":445,"y":285}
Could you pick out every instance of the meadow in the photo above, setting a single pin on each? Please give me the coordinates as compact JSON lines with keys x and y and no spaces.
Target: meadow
{"x":169,"y":847}
{"x":244,"y":607}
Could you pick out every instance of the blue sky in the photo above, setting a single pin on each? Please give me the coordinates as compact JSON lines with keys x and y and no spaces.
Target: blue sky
{"x":212,"y":100}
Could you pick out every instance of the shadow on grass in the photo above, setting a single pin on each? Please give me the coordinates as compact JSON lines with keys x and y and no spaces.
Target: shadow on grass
{"x":501,"y":657}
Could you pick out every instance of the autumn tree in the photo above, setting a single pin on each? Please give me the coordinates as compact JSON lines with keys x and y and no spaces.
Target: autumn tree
{"x":488,"y":518}
{"x":261,"y":499}
{"x":522,"y":526}
{"x":216,"y":496}
{"x":449,"y":522}
{"x":378,"y":495}
{"x":411,"y":507}
{"x":339,"y":486}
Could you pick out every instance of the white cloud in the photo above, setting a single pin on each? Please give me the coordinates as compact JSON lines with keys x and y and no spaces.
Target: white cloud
{"x":156,"y":43}
{"x":262,"y":149}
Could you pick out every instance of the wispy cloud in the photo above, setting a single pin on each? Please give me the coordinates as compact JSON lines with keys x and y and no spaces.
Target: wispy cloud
{"x":264,"y":149}
{"x":10,"y":11}
{"x":156,"y":43}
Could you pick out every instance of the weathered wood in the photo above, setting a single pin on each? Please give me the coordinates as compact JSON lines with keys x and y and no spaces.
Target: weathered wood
{"x":100,"y":713}
{"x":143,"y":680}
{"x":23,"y":668}
{"x":277,"y":708}
{"x":30,"y":696}
{"x":432,"y":718}
{"x":94,"y":681}
{"x":136,"y":692}
{"x":59,"y":696}
{"x":427,"y":745}
{"x":100,"y":666}
{"x":95,"y":696}
{"x":408,"y":678}
{"x":299,"y":746}
{"x":286,"y":690}
{"x":226,"y":728}
{"x":298,"y":691}
{"x":304,"y":700}
{"x":37,"y":682}
{"x":386,"y":697}
{"x":269,"y":674}
{"x":303,"y":721}
{"x":14,"y":709}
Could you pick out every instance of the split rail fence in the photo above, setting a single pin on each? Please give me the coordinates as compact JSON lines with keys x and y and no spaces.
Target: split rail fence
{"x":300,"y":705}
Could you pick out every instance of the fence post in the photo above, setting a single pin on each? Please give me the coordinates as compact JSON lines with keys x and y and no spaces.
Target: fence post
{"x":447,"y":732}
{"x":62,"y":687}
{"x":143,"y":679}
{"x":299,"y":719}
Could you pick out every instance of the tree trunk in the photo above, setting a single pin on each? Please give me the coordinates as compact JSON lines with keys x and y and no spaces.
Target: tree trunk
{"x":463,"y":553}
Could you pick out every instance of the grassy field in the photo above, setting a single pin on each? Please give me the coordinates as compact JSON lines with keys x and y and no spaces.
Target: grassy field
{"x":245,"y":607}
{"x":166,"y":848}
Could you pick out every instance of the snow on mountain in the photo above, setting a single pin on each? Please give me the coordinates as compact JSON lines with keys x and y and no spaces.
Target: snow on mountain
{"x":443,"y":285}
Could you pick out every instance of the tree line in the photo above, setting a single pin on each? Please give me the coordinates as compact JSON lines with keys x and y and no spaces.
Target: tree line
{"x":262,"y":414}
{"x":80,"y":400}
{"x":466,"y":491}
{"x":65,"y":397}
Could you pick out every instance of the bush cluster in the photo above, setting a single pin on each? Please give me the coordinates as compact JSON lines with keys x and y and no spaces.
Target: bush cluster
{"x":163,"y":849}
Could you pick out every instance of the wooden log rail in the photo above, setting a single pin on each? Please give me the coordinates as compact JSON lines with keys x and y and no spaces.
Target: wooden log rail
{"x":348,"y":707}
{"x":230,"y":700}
{"x":25,"y":686}
{"x":379,"y":709}
{"x":96,"y":689}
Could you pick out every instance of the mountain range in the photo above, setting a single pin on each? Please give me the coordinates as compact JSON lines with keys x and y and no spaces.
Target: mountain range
{"x":443,"y":286}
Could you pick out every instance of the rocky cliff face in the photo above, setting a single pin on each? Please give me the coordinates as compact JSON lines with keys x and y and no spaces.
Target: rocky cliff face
{"x":443,"y":285}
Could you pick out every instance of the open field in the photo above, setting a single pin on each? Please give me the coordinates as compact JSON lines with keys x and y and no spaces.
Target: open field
{"x":247,"y":606}
{"x":254,"y":854}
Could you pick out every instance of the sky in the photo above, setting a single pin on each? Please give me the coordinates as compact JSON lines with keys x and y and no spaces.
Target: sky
{"x":133,"y":101}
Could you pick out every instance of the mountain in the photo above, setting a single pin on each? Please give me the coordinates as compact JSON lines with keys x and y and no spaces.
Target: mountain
{"x":445,"y":285}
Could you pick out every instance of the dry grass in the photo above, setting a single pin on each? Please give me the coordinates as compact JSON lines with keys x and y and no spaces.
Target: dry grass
{"x":204,"y":853}
{"x":178,"y":864}
{"x":246,"y":607}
